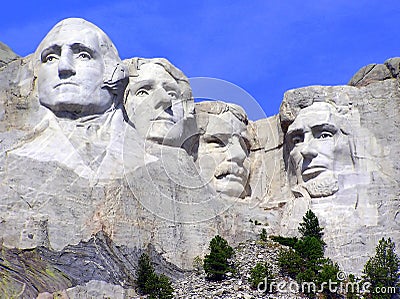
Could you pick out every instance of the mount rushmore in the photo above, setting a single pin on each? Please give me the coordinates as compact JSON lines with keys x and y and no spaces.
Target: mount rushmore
{"x":91,"y":145}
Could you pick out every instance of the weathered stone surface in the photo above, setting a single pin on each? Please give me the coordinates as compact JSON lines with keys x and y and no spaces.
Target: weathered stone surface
{"x":92,"y":289}
{"x":376,"y":72}
{"x":6,"y":55}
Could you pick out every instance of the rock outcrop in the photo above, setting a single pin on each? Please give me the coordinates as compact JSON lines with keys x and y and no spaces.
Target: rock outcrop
{"x":6,"y":55}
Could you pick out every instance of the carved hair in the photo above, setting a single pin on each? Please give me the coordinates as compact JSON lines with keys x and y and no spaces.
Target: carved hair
{"x":183,"y":82}
{"x":202,"y":109}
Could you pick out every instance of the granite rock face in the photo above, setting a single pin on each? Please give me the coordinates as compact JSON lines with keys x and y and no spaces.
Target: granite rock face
{"x":6,"y":55}
{"x":95,"y":172}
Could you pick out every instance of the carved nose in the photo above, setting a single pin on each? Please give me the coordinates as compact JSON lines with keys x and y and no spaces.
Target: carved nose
{"x":162,"y":99}
{"x":66,"y":66}
{"x":308,"y":152}
{"x":236,"y":152}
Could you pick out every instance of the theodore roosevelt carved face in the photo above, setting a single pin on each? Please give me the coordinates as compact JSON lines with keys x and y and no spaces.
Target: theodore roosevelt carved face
{"x":223,"y":147}
{"x":319,"y":149}
{"x":74,"y":61}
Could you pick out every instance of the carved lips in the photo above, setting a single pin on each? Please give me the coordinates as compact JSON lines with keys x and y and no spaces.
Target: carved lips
{"x":65,"y":83}
{"x":232,"y":172}
{"x":311,"y":171}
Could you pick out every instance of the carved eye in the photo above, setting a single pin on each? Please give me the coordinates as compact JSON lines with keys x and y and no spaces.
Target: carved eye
{"x":84,"y":55}
{"x":297,"y":139}
{"x":172,"y":94}
{"x":50,"y":58}
{"x":216,"y":143}
{"x":142,"y":92}
{"x":325,"y":135}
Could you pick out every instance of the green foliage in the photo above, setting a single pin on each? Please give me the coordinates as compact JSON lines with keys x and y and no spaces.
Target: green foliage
{"x":290,"y":262}
{"x":159,"y":287}
{"x":286,"y":241}
{"x":216,"y":264}
{"x":263,"y":235}
{"x":148,"y":282}
{"x":328,"y":272}
{"x":353,"y":287}
{"x":310,"y":226}
{"x":260,"y":274}
{"x":382,"y":270}
{"x":145,"y":270}
{"x":306,"y":263}
{"x":310,"y":249}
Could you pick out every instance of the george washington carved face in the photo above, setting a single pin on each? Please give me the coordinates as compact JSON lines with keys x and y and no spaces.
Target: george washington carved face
{"x":72,"y":63}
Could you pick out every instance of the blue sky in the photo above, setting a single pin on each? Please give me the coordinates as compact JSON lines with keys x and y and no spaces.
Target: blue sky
{"x":263,"y":47}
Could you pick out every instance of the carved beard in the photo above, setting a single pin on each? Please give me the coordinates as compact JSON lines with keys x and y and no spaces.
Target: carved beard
{"x":322,"y":187}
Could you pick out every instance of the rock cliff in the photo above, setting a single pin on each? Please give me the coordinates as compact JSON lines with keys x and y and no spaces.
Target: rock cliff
{"x":90,"y":180}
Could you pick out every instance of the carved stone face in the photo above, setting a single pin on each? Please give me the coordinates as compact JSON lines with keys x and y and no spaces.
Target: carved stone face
{"x":155,"y":105}
{"x":71,"y":70}
{"x":318,"y":148}
{"x":223,"y":154}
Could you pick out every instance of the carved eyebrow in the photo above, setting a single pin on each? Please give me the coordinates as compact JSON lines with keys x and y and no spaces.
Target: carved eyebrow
{"x":78,"y":47}
{"x":143,"y":83}
{"x":294,"y":132}
{"x":171,"y":85}
{"x":325,"y":127}
{"x":220,"y":136}
{"x":53,"y":49}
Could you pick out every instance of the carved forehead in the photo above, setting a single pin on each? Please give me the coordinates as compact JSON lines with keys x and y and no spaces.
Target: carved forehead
{"x":317,"y":114}
{"x":153,"y":71}
{"x":224,"y":124}
{"x":75,"y":30}
{"x":219,"y":118}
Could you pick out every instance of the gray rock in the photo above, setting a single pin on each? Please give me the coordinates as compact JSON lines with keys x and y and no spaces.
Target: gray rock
{"x":6,"y":55}
{"x":370,"y":73}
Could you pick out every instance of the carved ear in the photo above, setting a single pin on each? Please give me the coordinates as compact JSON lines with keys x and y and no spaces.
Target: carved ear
{"x":116,"y":78}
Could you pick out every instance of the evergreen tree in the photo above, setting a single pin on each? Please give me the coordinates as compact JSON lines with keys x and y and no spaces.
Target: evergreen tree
{"x":260,"y":274}
{"x":159,"y":287}
{"x":328,"y":272}
{"x":149,"y":283}
{"x":145,"y":271}
{"x":382,"y":270}
{"x":290,"y":262}
{"x":216,"y":264}
{"x":263,"y":235}
{"x":310,"y":226}
{"x":310,"y":249}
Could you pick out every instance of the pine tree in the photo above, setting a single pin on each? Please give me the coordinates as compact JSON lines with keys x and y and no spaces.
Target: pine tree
{"x":382,"y":270}
{"x":145,"y":270}
{"x":260,"y":274}
{"x":159,"y":287}
{"x":310,"y":226}
{"x":216,"y":264}
{"x":149,"y":283}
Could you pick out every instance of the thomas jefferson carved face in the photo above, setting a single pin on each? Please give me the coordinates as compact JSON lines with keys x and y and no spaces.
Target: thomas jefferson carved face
{"x":71,"y":70}
{"x":155,"y":105}
{"x":223,"y":154}
{"x":318,"y":148}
